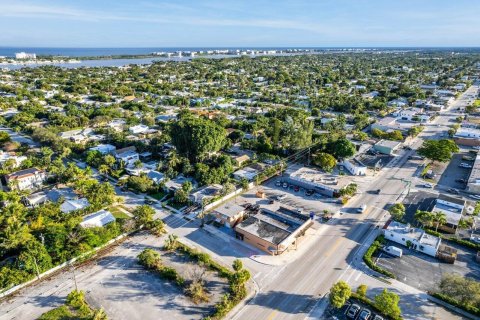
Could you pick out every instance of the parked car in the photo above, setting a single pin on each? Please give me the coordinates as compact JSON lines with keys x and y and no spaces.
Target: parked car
{"x":308,"y":193}
{"x":475,"y":239}
{"x":453,"y":191}
{"x":467,"y":158}
{"x":474,"y":196}
{"x":378,"y":191}
{"x":377,"y":317}
{"x":364,"y":315}
{"x":362,"y":208}
{"x":353,"y":310}
{"x":148,"y":201}
{"x":271,"y":201}
{"x":285,"y":185}
{"x":465,"y":165}
{"x":281,"y":197}
{"x":428,"y":185}
{"x":296,"y":188}
{"x":278,"y":183}
{"x":461,"y":180}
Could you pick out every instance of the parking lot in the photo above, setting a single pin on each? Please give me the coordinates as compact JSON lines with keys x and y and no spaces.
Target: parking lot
{"x":418,"y":200}
{"x":425,"y":272}
{"x":341,"y":314}
{"x":454,"y":175}
{"x":298,"y":198}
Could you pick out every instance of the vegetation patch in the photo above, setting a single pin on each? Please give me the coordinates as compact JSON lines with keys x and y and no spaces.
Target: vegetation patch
{"x":75,"y":308}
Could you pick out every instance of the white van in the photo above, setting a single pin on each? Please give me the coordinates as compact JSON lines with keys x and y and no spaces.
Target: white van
{"x":362,"y":208}
{"x":394,"y":251}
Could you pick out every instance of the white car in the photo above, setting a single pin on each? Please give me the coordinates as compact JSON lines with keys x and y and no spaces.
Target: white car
{"x":428,"y":185}
{"x":474,"y":196}
{"x":465,"y":165}
{"x":475,"y":239}
{"x":476,"y":147}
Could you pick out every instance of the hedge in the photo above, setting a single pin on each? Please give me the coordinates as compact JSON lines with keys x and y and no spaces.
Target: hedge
{"x":367,"y":257}
{"x":465,"y":243}
{"x":468,"y":308}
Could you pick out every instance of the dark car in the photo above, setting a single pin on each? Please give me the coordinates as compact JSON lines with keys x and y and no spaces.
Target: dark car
{"x":364,"y":315}
{"x":453,"y":191}
{"x":378,"y":191}
{"x":148,"y":201}
{"x":352,"y":311}
{"x":461,"y":180}
{"x":296,"y":189}
{"x":309,"y":192}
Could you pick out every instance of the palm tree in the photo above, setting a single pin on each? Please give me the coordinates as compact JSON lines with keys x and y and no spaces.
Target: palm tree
{"x":424,"y":217}
{"x":439,"y":218}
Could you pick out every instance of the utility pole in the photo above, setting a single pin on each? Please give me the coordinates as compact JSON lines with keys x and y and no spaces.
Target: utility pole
{"x":72,"y":267}
{"x":36,"y":268}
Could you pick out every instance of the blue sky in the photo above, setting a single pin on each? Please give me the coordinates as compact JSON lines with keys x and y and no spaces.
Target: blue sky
{"x":231,"y":23}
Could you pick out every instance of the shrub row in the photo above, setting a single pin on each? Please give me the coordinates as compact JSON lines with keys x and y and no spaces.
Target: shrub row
{"x":468,"y":308}
{"x":465,"y":243}
{"x":367,"y":257}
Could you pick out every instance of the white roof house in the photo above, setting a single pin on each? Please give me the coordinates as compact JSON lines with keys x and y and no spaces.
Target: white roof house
{"x":141,"y":128}
{"x":246,"y":173}
{"x":104,"y":148}
{"x":73,"y":205}
{"x":97,"y":219}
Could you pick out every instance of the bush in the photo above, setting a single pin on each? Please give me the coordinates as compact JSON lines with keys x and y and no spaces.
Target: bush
{"x":468,"y":308}
{"x":368,"y":258}
{"x":371,"y":304}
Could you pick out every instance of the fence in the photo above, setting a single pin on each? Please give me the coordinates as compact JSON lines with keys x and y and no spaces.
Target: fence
{"x":59,"y":267}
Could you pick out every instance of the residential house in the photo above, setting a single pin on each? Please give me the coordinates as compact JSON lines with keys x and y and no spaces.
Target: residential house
{"x":11,"y":156}
{"x":387,"y":146}
{"x":97,"y":219}
{"x":26,"y":179}
{"x":452,"y":208}
{"x":206,"y":193}
{"x":127,"y":155}
{"x":104,"y":148}
{"x":73,"y":205}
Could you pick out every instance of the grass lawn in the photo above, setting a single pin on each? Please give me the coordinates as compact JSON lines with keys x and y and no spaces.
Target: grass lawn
{"x":158,"y":195}
{"x":118,"y":214}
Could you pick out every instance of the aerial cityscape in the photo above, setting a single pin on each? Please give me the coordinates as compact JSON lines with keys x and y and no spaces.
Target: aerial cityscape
{"x":239,"y":160}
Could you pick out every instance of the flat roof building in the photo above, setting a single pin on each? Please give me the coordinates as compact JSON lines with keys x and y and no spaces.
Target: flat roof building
{"x":473,"y":183}
{"x":414,"y":238}
{"x":273,"y":232}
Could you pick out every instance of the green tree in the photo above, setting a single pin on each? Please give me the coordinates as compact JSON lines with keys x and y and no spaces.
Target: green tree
{"x":143,"y":215}
{"x":387,"y":303}
{"x":195,"y":138}
{"x":438,"y":150}
{"x":343,"y":148}
{"x":180,"y":196}
{"x":362,"y":290}
{"x":325,"y":161}
{"x":462,"y":289}
{"x":339,"y":294}
{"x":397,"y":211}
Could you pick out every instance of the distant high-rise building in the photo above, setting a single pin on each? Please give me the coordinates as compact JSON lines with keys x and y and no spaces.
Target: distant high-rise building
{"x":24,"y":55}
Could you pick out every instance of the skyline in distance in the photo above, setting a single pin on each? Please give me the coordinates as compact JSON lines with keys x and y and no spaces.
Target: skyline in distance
{"x":215,"y":23}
